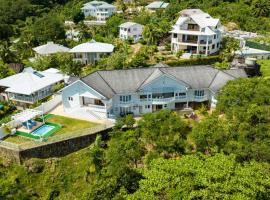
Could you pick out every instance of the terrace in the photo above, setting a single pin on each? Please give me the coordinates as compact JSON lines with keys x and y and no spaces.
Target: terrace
{"x":61,"y":126}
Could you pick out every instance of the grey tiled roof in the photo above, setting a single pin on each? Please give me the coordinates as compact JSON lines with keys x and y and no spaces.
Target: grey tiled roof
{"x":109,"y":83}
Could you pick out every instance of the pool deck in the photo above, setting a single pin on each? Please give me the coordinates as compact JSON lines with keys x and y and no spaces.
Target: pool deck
{"x":25,"y":130}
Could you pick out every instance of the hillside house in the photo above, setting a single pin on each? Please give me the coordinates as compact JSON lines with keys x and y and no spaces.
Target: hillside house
{"x":30,"y":86}
{"x":156,"y":5}
{"x":196,"y":32}
{"x":131,"y":30}
{"x":90,"y":52}
{"x":99,"y":9}
{"x":49,"y":49}
{"x":109,"y":94}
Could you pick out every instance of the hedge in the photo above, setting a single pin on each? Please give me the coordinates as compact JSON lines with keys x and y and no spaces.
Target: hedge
{"x":195,"y":61}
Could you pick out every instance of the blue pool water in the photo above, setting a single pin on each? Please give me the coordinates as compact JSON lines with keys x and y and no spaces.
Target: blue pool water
{"x":44,"y":129}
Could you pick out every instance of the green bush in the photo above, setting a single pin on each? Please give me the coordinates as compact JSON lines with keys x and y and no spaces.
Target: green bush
{"x":195,"y":61}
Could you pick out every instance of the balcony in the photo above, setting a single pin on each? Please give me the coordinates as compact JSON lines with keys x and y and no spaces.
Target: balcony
{"x":163,"y":100}
{"x":200,"y":98}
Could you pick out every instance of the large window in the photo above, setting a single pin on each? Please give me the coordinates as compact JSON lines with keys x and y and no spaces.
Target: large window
{"x":199,"y":93}
{"x":125,"y":98}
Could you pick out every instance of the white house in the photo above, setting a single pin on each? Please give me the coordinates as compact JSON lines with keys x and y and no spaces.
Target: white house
{"x":196,"y":32}
{"x":49,"y":49}
{"x":106,"y":94}
{"x":90,"y":52}
{"x":156,"y":5}
{"x":99,"y":9}
{"x":30,"y":86}
{"x":131,"y":30}
{"x":247,"y":52}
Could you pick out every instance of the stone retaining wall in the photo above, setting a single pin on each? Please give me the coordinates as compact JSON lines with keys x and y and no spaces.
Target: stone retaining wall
{"x":56,"y":149}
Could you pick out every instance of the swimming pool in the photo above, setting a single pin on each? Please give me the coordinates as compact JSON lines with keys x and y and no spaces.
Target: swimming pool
{"x":43,"y":130}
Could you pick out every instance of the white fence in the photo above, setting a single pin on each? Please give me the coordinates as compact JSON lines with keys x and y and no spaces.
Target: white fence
{"x":50,"y":105}
{"x":45,"y":108}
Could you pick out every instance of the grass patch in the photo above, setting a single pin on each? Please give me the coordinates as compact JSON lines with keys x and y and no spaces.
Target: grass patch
{"x":69,"y":124}
{"x":17,"y":139}
{"x":265,"y":67}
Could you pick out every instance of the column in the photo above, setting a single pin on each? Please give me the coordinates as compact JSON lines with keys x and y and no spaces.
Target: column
{"x":198,"y":44}
{"x":207,"y":43}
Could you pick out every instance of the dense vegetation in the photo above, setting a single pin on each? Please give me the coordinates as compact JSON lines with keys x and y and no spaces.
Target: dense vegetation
{"x":25,"y":24}
{"x":224,"y":156}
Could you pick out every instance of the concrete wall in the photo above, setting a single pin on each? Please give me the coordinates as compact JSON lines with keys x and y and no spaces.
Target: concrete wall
{"x":48,"y":150}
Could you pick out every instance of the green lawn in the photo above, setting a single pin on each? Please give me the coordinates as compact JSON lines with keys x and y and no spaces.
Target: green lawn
{"x":69,"y":124}
{"x":265,"y":67}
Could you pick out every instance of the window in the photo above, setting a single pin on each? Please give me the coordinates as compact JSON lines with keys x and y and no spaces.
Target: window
{"x":215,"y":36}
{"x":199,"y":93}
{"x":70,"y":98}
{"x":217,"y":45}
{"x":126,"y":98}
{"x":213,"y":46}
{"x":143,"y":97}
{"x":147,"y":106}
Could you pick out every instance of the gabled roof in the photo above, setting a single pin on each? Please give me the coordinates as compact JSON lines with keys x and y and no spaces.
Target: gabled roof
{"x":50,"y":48}
{"x":30,"y":81}
{"x":109,"y":83}
{"x":93,"y":47}
{"x":157,"y":5}
{"x":129,"y":24}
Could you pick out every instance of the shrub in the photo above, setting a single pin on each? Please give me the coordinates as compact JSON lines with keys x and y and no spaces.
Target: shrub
{"x":195,"y":61}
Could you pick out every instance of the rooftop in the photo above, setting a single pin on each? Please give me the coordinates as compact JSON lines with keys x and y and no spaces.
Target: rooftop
{"x":50,"y":48}
{"x":157,"y":5}
{"x":198,"y":16}
{"x":128,"y":24}
{"x":93,"y":47}
{"x":30,"y":81}
{"x":109,"y":83}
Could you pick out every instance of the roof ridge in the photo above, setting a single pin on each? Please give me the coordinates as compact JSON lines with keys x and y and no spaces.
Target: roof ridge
{"x":147,"y":78}
{"x":213,"y":78}
{"x":228,"y":73}
{"x":106,"y":82}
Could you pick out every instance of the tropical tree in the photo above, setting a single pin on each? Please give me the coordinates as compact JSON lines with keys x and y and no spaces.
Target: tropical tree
{"x":204,"y":177}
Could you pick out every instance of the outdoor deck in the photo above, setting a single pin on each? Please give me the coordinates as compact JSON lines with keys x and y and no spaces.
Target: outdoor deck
{"x":25,"y":130}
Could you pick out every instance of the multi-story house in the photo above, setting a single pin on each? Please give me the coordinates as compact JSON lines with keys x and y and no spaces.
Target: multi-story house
{"x":90,"y":52}
{"x":99,"y":9}
{"x":131,"y":30}
{"x":30,"y":86}
{"x":106,"y":94}
{"x":196,"y":32}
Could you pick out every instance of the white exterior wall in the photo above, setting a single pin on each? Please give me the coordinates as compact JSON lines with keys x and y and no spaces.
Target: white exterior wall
{"x":204,"y":42}
{"x":114,"y":106}
{"x":134,"y":32}
{"x":101,"y":14}
{"x":88,"y":58}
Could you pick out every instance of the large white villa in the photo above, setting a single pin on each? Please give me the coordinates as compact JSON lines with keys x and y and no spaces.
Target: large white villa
{"x":131,"y":30}
{"x":109,"y":94}
{"x":90,"y":52}
{"x":196,"y":32}
{"x":30,"y":86}
{"x":99,"y":9}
